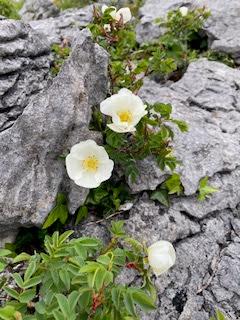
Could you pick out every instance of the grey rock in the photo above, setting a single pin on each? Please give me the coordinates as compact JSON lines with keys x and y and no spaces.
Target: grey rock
{"x":207,"y":98}
{"x":24,"y":68}
{"x":222,"y":27}
{"x":65,"y":26}
{"x":31,"y":174}
{"x":205,"y":275}
{"x":148,"y":222}
{"x":38,"y":9}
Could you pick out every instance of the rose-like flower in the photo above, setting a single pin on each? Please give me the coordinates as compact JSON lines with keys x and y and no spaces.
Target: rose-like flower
{"x":126,"y":110}
{"x":161,"y":256}
{"x":123,"y":13}
{"x":88,"y":164}
{"x":183,"y":11}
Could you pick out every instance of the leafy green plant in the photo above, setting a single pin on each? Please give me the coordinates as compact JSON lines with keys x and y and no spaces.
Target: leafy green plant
{"x":218,"y":316}
{"x":152,"y":138}
{"x":205,"y":190}
{"x":171,"y":185}
{"x":9,"y":9}
{"x":59,"y":212}
{"x":131,"y":62}
{"x":61,"y":53}
{"x":104,"y":200}
{"x":76,"y":279}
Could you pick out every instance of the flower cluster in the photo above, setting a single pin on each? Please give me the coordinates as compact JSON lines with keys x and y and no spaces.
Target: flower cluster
{"x":87,"y":163}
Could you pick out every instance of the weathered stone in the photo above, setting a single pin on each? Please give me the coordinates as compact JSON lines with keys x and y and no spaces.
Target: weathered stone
{"x":207,"y":98}
{"x":65,"y":26}
{"x":38,"y":9}
{"x":24,"y":68}
{"x":222,"y":27}
{"x":205,"y":276}
{"x":31,"y":173}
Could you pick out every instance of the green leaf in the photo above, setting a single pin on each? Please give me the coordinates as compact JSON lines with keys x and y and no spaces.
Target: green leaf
{"x":5,"y":252}
{"x":73,"y":299}
{"x":114,"y":139}
{"x":161,"y":195}
{"x":182,"y":125}
{"x":165,"y":110}
{"x":129,"y":303}
{"x":174,"y":184}
{"x":59,"y":212}
{"x":116,"y":293}
{"x":64,"y":305}
{"x":205,"y":190}
{"x":65,"y":277}
{"x":21,"y":257}
{"x":218,"y":316}
{"x":117,"y":228}
{"x":82,"y":214}
{"x":143,"y":300}
{"x":63,"y":237}
{"x":32,"y":282}
{"x":31,"y":269}
{"x":27,"y":296}
{"x":11,"y":292}
{"x":18,"y":279}
{"x":61,"y":199}
{"x":7,"y":313}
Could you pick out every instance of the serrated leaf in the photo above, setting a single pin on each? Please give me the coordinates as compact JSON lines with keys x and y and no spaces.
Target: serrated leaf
{"x":27,"y":296}
{"x":161,"y":196}
{"x":32,"y":282}
{"x":64,"y":305}
{"x":18,"y":279}
{"x":31,"y":269}
{"x":129,"y":303}
{"x":11,"y":292}
{"x":65,"y":277}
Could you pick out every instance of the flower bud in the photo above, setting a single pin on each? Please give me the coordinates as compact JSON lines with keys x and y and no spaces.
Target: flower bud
{"x":161,"y":256}
{"x":183,"y":11}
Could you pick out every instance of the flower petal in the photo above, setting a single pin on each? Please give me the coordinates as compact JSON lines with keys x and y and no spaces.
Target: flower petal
{"x":125,"y":13}
{"x":88,"y":180}
{"x":104,"y":171}
{"x":120,"y":128}
{"x":74,"y":167}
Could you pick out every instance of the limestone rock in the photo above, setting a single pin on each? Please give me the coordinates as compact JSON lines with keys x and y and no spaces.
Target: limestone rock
{"x":24,"y":68}
{"x":31,"y":173}
{"x":207,"y":98}
{"x":65,"y":26}
{"x":205,"y":276}
{"x":222,"y":27}
{"x":38,"y":9}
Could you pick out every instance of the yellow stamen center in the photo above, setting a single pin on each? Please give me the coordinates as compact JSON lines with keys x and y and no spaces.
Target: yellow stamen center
{"x":91,"y":163}
{"x":125,"y":116}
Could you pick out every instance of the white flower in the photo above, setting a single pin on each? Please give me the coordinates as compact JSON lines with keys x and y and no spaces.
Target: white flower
{"x":183,"y":11}
{"x":161,"y":256}
{"x":88,"y":164}
{"x":126,"y":110}
{"x":107,"y":27}
{"x":123,"y":13}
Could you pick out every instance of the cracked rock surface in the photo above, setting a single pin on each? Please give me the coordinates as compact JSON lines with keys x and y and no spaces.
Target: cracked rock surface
{"x":38,"y":9}
{"x":64,"y":26}
{"x":222,"y":27}
{"x":50,"y":122}
{"x":24,"y":68}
